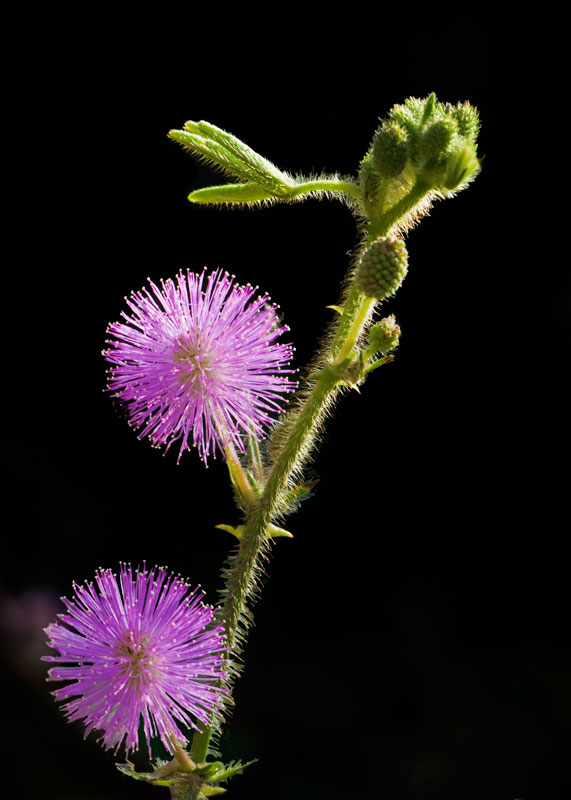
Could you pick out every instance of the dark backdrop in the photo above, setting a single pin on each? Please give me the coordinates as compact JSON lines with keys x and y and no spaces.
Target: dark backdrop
{"x":412,"y":639}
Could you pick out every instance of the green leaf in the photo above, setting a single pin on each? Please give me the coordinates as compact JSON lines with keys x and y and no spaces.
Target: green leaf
{"x":273,"y":532}
{"x":267,"y":174}
{"x":234,"y":156}
{"x":296,"y":495}
{"x":378,"y":363}
{"x":429,"y":107}
{"x":129,"y":769}
{"x":234,"y":768}
{"x":231,"y":193}
{"x":209,"y":768}
{"x":237,"y":532}
{"x":209,"y":791}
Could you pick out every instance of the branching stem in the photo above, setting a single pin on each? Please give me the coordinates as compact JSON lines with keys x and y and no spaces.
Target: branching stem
{"x":415,"y":152}
{"x":301,"y":425}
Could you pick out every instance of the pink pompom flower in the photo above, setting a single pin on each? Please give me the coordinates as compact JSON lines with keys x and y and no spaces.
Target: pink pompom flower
{"x":197,"y":361}
{"x":137,"y":647}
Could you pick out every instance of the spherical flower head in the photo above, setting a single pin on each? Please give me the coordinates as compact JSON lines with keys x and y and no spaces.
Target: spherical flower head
{"x":135,"y":648}
{"x":197,"y":361}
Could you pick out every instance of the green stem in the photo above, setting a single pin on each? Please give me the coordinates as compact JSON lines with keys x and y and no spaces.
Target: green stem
{"x":382,"y":225}
{"x":327,"y":185}
{"x":356,"y":311}
{"x":376,"y":364}
{"x":297,"y":437}
{"x":199,"y":747}
{"x":301,"y":425}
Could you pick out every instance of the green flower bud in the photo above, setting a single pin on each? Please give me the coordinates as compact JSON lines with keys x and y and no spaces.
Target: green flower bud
{"x":437,"y":139}
{"x":413,"y":116}
{"x":384,"y":335}
{"x":390,"y":149}
{"x":369,"y":178}
{"x":467,"y":119}
{"x":382,"y":268}
{"x":413,"y":113}
{"x":461,"y":168}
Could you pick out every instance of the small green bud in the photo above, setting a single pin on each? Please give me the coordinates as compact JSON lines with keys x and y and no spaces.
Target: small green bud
{"x":369,"y":178}
{"x":436,"y":140}
{"x":382,"y":268}
{"x":411,"y":114}
{"x":461,"y":168}
{"x":467,"y":119}
{"x":384,"y":335}
{"x":390,"y":149}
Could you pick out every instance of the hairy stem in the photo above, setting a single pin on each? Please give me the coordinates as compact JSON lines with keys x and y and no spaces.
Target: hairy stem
{"x":301,"y":425}
{"x":328,"y":185}
{"x":356,"y":311}
{"x":382,"y":225}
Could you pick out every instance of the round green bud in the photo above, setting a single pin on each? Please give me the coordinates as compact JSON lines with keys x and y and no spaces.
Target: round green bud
{"x":382,"y":268}
{"x":410,"y":114}
{"x":390,"y":149}
{"x":369,"y":178}
{"x":436,"y":140}
{"x":384,"y":335}
{"x":468,"y":121}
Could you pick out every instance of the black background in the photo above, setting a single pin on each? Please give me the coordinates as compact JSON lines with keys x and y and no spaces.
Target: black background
{"x":412,"y":640}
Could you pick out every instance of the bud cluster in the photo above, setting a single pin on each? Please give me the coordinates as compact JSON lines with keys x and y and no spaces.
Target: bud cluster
{"x":421,"y":140}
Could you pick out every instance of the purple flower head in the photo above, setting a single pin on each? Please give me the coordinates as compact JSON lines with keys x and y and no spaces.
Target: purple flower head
{"x":199,"y":358}
{"x":137,"y":647}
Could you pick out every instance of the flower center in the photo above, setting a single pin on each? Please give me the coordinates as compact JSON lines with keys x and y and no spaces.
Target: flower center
{"x":197,"y":367}
{"x":134,"y":655}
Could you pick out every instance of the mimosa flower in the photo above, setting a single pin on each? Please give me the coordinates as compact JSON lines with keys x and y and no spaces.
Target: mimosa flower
{"x":140,"y":647}
{"x":198,"y":361}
